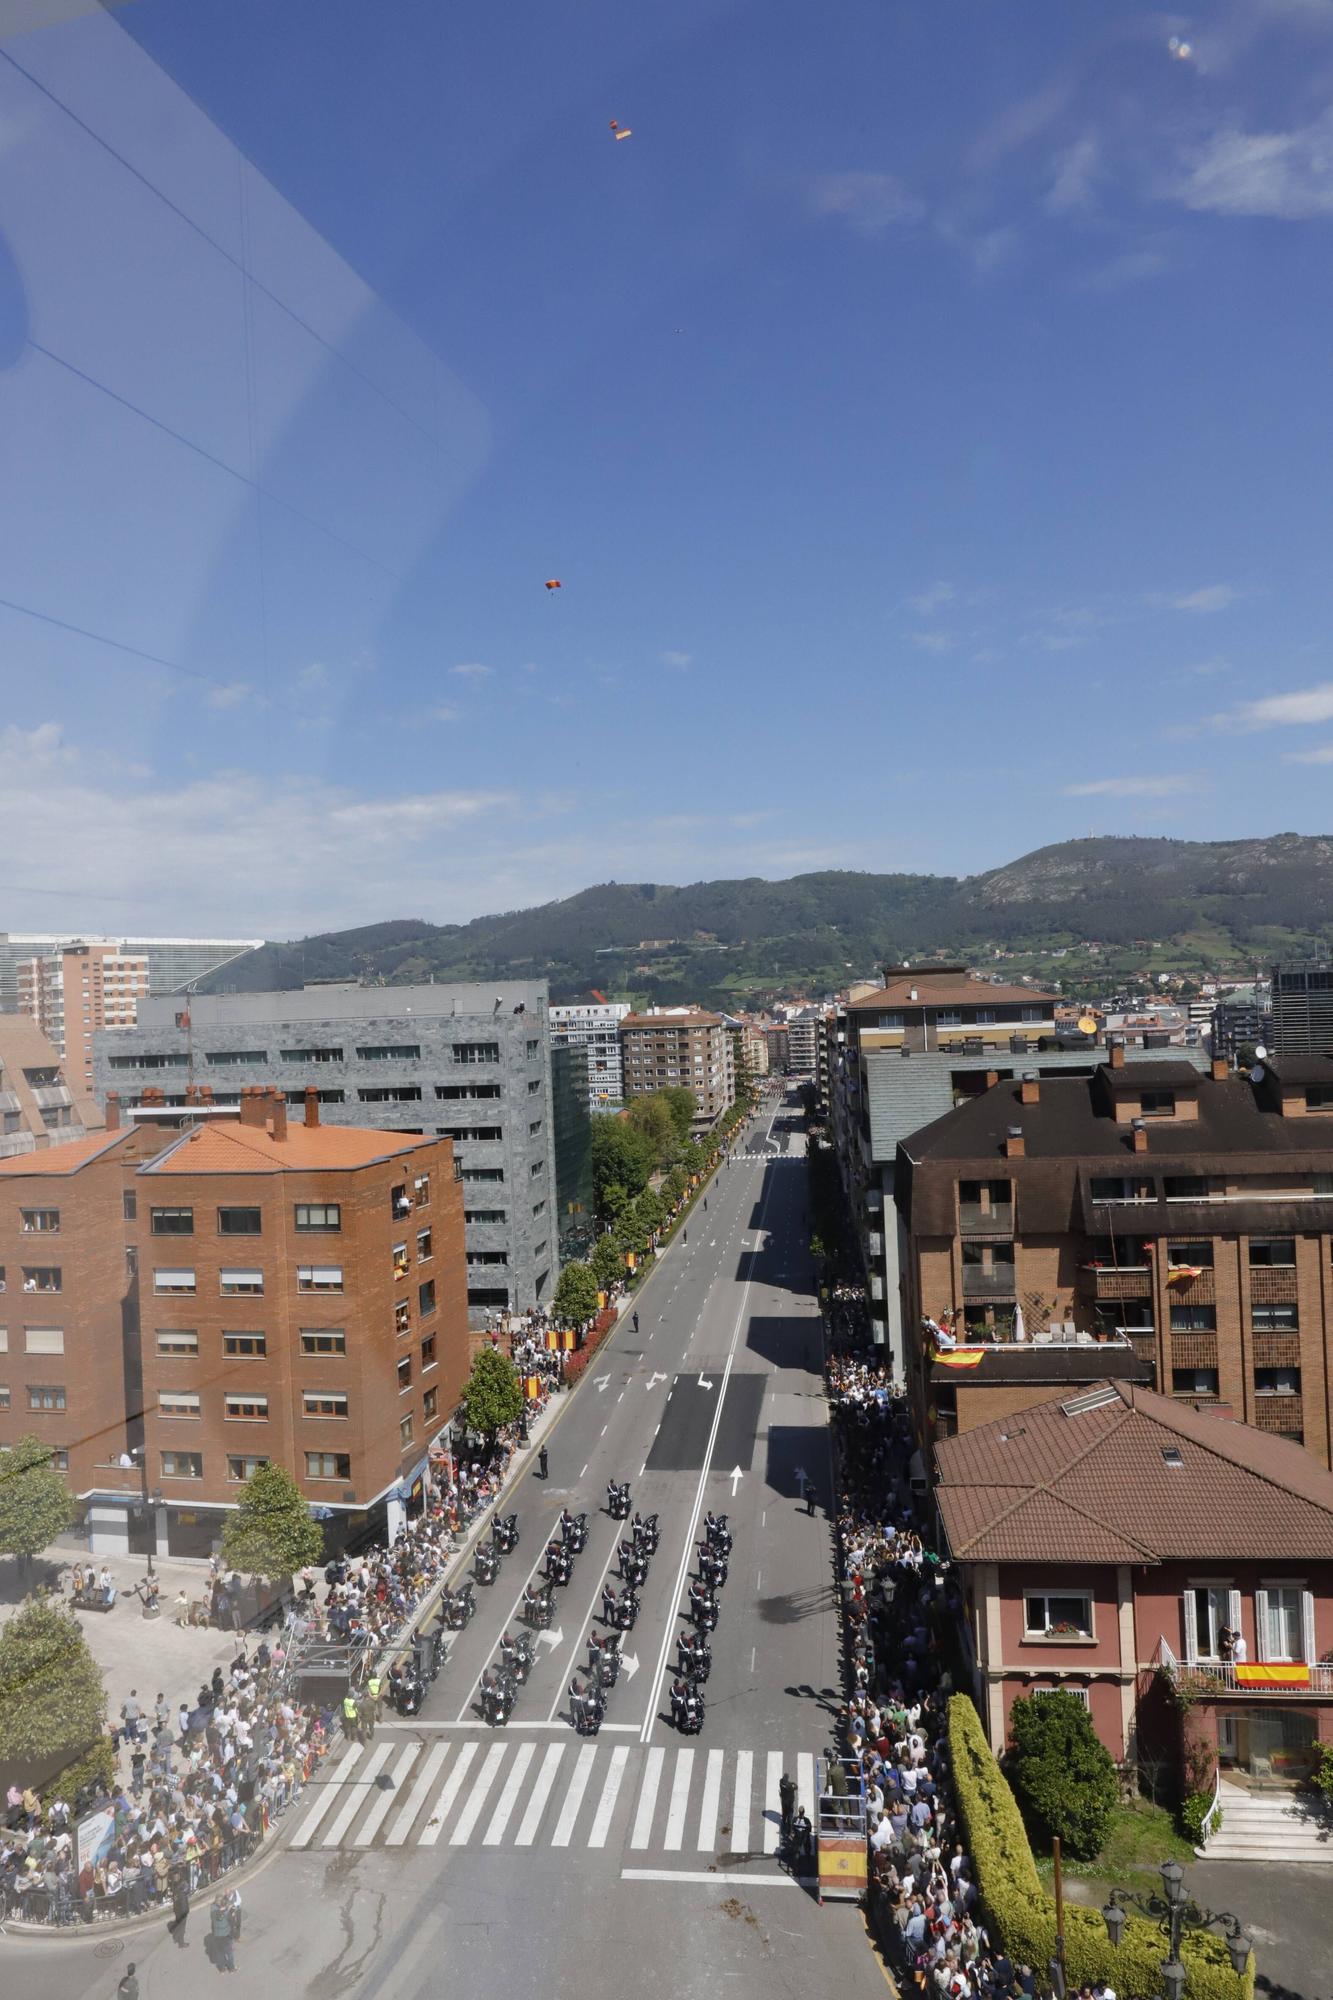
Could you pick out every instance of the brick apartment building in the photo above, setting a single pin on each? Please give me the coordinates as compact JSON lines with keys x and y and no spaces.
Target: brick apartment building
{"x":191,"y":1304}
{"x":79,"y":991}
{"x":1185,"y":1216}
{"x":672,"y":1046}
{"x":41,"y":1103}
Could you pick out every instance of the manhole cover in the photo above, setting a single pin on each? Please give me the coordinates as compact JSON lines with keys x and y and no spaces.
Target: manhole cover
{"x":109,"y":1949}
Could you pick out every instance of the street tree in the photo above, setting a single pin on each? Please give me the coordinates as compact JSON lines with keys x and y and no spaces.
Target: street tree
{"x":652,"y":1117}
{"x":620,"y":1155}
{"x":651,"y":1212}
{"x":680,"y":1101}
{"x":493,"y":1395}
{"x":575,"y":1301}
{"x":35,"y":1503}
{"x":608,"y":1263}
{"x":52,"y":1702}
{"x":272,"y":1533}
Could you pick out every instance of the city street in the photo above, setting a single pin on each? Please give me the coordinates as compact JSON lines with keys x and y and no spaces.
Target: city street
{"x":525,"y":1857}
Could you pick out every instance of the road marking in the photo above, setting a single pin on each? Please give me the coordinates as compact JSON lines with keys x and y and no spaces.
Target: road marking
{"x":494,"y":1833}
{"x":680,"y":1798}
{"x":471,"y":1812}
{"x":311,"y":1822}
{"x":603,"y":1430}
{"x":578,"y":1785}
{"x":758,"y":1582}
{"x":773,"y":1803}
{"x":449,"y":1791}
{"x":740,"y":1802}
{"x":416,"y":1798}
{"x":805,"y":1781}
{"x":753,"y":1651}
{"x":379,"y":1811}
{"x":357,"y":1796}
{"x":652,"y":1778}
{"x":537,"y":1798}
{"x":712,"y":1794}
{"x":707,"y":1876}
{"x":606,"y":1805}
{"x":582,"y":1474}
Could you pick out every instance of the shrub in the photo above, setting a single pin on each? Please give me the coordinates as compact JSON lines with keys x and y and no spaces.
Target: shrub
{"x":1062,"y":1770}
{"x":1193,"y":1812}
{"x":1021,"y":1917}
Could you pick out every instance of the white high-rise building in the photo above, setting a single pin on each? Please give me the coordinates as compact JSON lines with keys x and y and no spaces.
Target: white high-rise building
{"x":596,"y":1028}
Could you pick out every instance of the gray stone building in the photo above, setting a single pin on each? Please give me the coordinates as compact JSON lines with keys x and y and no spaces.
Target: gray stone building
{"x":472,"y":1062}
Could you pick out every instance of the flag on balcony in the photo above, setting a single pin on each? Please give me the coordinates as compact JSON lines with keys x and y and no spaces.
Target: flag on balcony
{"x":960,"y":1357}
{"x":1181,"y":1274}
{"x":1272,"y":1674}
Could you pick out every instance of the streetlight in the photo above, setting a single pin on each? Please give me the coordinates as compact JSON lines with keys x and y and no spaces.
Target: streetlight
{"x":1179,"y":1913}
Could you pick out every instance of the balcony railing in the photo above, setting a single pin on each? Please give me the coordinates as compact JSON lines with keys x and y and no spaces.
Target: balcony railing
{"x":974,"y":1220}
{"x":1202,"y":1678}
{"x":1121,"y":1281}
{"x":995,"y":1281}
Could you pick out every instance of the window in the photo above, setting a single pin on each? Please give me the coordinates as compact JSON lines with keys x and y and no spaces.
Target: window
{"x":1276,"y":1251}
{"x":405,"y":1373}
{"x":1277,"y":1381}
{"x":534,"y":1048}
{"x":239,"y":1221}
{"x":167,"y":1282}
{"x":240,"y":1283}
{"x":1157,"y":1104}
{"x":1279,"y":1618}
{"x":323,"y":1340}
{"x":173,"y":1341}
{"x":536,"y":1170}
{"x":534,"y":1128}
{"x":402,"y":1263}
{"x":242,"y":1466}
{"x":148,"y":1062}
{"x":486,"y":1214}
{"x":426,"y":1297}
{"x":476,"y":1052}
{"x":478,"y":1132}
{"x":318,"y":1215}
{"x":129,"y":1204}
{"x":1047,"y":1615}
{"x":428,"y":1352}
{"x":245,"y":1346}
{"x":1194,"y":1381}
{"x":298,"y":1097}
{"x":390,"y":1052}
{"x":392,"y":1093}
{"x":889,"y":1021}
{"x":948,"y":1017}
{"x":240,"y":1408}
{"x":540,"y":1250}
{"x":311,"y":1055}
{"x":985,"y":1017}
{"x":1200,"y":1253}
{"x":421,"y":1190}
{"x":327,"y":1465}
{"x":488,"y":1256}
{"x":1319,"y":1097}
{"x":405,"y":1429}
{"x":319,"y":1278}
{"x":481,"y":1174}
{"x":539,"y":1208}
{"x":41,"y":1277}
{"x":324,"y":1403}
{"x":43,"y":1340}
{"x":177,"y":1403}
{"x":534,"y":1085}
{"x":1275,"y":1319}
{"x":220,"y":1058}
{"x":1185,"y":1187}
{"x":430,"y":1404}
{"x":424,"y":1249}
{"x":4,"y":1395}
{"x":1118,"y":1188}
{"x":182,"y":1465}
{"x":402,"y":1316}
{"x":45,"y":1397}
{"x":40,"y":1221}
{"x":473,"y":1093}
{"x":1193,"y":1319}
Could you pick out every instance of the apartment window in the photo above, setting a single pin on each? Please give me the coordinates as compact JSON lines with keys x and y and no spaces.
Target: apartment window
{"x":948,"y":1017}
{"x":41,"y":1278}
{"x":240,"y":1408}
{"x":1157,"y":1104}
{"x":298,"y":1097}
{"x":1185,"y":1187}
{"x":174,"y":1342}
{"x":1277,"y":1381}
{"x":240,"y":1283}
{"x":423,"y":1245}
{"x":1033,"y":1014}
{"x":390,"y":1052}
{"x":4,"y":1395}
{"x":148,"y":1062}
{"x":534,"y":1048}
{"x":319,"y":1278}
{"x":534,"y":1128}
{"x":485,"y":1214}
{"x":318,"y":1215}
{"x":182,"y":1465}
{"x":392,"y":1093}
{"x":220,"y":1058}
{"x":324,"y":1403}
{"x":239,"y":1221}
{"x":478,"y":1132}
{"x":476,"y":1052}
{"x":426,"y":1297}
{"x":421,"y":1190}
{"x":245,"y":1346}
{"x":488,"y":1256}
{"x":428,"y":1352}
{"x":1319,"y":1097}
{"x":1275,"y":1319}
{"x":1180,"y":1255}
{"x":40,"y":1221}
{"x":1194,"y":1381}
{"x":1118,"y":1188}
{"x":534,"y":1085}
{"x":539,"y":1207}
{"x":430,"y":1404}
{"x":536,"y":1170}
{"x":888,"y":1021}
{"x":405,"y":1373}
{"x":177,"y":1403}
{"x":405,"y":1429}
{"x":402,"y":1263}
{"x":131,"y":1260}
{"x":168,"y":1282}
{"x":43,"y":1340}
{"x":323,"y":1340}
{"x":328,"y":1465}
{"x":1275,"y":1251}
{"x":242,"y":1466}
{"x":469,"y":1093}
{"x":482,"y":1174}
{"x":1280,"y":1621}
{"x":1048,"y":1615}
{"x":540,"y":1249}
{"x":129,"y":1204}
{"x":1194,"y":1319}
{"x":402,"y":1316}
{"x":311,"y":1055}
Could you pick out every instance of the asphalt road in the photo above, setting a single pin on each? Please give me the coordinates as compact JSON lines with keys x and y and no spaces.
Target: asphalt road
{"x":524,"y":1860}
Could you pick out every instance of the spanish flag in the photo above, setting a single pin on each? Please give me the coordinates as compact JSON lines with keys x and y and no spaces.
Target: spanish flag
{"x":1272,"y":1674}
{"x":959,"y":1357}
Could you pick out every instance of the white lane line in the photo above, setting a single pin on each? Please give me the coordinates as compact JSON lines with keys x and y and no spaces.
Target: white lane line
{"x":310,"y":1823}
{"x":753,"y":1651}
{"x":358,"y":1796}
{"x":773,"y":1803}
{"x":449,"y":1791}
{"x":712,"y":1793}
{"x":541,"y":1791}
{"x":603,"y":1430}
{"x":805,"y":1783}
{"x":606,"y":1805}
{"x":643,"y":1818}
{"x":582,"y":1474}
{"x":710,"y":1875}
{"x":758,"y":1582}
{"x":370,"y":1826}
{"x":740,"y":1802}
{"x":680,"y":1798}
{"x":416,"y":1798}
{"x":578,"y":1785}
{"x":508,"y":1799}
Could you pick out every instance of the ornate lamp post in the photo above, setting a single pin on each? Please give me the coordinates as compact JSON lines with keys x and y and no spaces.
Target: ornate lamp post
{"x":1178,"y":1913}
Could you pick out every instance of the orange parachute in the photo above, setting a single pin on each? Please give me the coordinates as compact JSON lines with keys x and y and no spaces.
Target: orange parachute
{"x":553,"y":583}
{"x":620,"y":131}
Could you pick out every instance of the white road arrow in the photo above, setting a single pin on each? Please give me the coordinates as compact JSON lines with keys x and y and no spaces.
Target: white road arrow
{"x":704,"y":1383}
{"x":556,"y":1638}
{"x":735,"y":1476}
{"x":655,"y":1378}
{"x":602,"y":1381}
{"x":630,"y":1662}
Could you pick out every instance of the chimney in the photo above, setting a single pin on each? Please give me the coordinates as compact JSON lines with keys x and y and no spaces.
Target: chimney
{"x":1140,"y":1131}
{"x":1014,"y":1149}
{"x":1029,"y":1090}
{"x":1117,"y":1055}
{"x":311,"y":1105}
{"x":252,"y":1105}
{"x":1221,"y":1069}
{"x":277,"y":1123}
{"x":113,"y":1111}
{"x":992,"y":1078}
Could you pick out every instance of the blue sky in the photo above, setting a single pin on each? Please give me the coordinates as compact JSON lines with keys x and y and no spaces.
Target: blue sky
{"x":926,"y":412}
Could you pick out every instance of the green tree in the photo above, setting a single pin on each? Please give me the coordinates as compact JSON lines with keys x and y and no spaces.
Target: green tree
{"x":681,"y":1103}
{"x":35,"y":1503}
{"x":651,"y":1211}
{"x":608,"y":1263}
{"x":673,"y":1187}
{"x":493,"y":1396}
{"x":52,"y":1702}
{"x":652,"y":1117}
{"x":1061,"y":1770}
{"x":272,"y":1533}
{"x":576,"y":1291}
{"x":615,"y":1200}
{"x":620,"y":1154}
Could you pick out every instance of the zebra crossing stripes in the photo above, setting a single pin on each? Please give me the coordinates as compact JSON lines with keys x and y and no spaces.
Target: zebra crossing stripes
{"x":416,"y":1798}
{"x":541,"y":1791}
{"x":643,"y":1818}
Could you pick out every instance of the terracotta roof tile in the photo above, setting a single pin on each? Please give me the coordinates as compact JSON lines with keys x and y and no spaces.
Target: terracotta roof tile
{"x":694,"y":1018}
{"x":946,"y":993}
{"x":66,"y":1159}
{"x":226,"y":1147}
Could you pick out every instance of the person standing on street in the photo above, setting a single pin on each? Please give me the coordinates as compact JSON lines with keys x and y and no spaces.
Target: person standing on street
{"x":787,"y":1799}
{"x":349,"y":1716}
{"x":180,"y":1904}
{"x":809,"y":1496}
{"x":219,"y":1930}
{"x":542,"y":1462}
{"x":128,"y":1989}
{"x":233,"y":1901}
{"x":130,"y":1714}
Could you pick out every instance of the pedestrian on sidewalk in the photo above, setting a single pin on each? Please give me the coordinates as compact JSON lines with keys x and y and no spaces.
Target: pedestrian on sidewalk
{"x":220,"y":1932}
{"x":809,"y":1496}
{"x":180,"y":1903}
{"x":130,"y":1712}
{"x":542,"y":1462}
{"x":128,"y":1988}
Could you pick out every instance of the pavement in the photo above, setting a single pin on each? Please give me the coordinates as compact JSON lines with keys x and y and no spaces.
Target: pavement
{"x":524,"y":1860}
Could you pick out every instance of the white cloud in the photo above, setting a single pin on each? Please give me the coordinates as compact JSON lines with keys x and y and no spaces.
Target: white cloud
{"x":1130,"y":267}
{"x":312,"y":678}
{"x":1304,"y":705}
{"x":442,"y":712}
{"x":39,"y":749}
{"x":1285,"y":175}
{"x":674,"y":659}
{"x":1131,"y":788}
{"x":933,"y":599}
{"x":474,"y":670}
{"x":1323,"y":755}
{"x":1076,"y":171}
{"x":867,"y":202}
{"x":1214,"y":597}
{"x":933,"y":642}
{"x":230,"y":695}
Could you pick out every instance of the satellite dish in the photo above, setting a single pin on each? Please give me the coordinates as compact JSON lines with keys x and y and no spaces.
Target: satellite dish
{"x":1260,"y":1051}
{"x":1257,"y":1073}
{"x":1087,"y":1024}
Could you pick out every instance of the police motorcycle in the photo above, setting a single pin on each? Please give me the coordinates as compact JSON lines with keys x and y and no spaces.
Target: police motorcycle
{"x":645,"y":1533}
{"x":703,"y":1608}
{"x":559,"y":1563}
{"x":504,"y":1532}
{"x":587,"y":1708}
{"x":429,"y":1653}
{"x":633,"y":1566}
{"x":406,"y":1689}
{"x":719,"y":1534}
{"x":620,"y":1611}
{"x":498,"y":1695}
{"x":712,"y":1567}
{"x":486,"y":1564}
{"x":604,"y":1660}
{"x":574,"y":1532}
{"x":687,"y":1708}
{"x":538,"y":1606}
{"x":696,"y":1656}
{"x":516,"y":1657}
{"x":617,"y":1500}
{"x":457,"y":1607}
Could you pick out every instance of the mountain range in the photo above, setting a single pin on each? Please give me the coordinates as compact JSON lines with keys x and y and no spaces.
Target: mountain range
{"x":1114,"y":901}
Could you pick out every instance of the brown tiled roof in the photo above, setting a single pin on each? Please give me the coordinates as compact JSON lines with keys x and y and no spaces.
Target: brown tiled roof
{"x":1050,"y":1487}
{"x":66,"y":1159}
{"x":227,"y":1147}
{"x":945,"y":993}
{"x":694,"y":1017}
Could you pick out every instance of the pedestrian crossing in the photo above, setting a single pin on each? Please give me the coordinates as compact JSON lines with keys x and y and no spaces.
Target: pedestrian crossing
{"x":505,"y":1792}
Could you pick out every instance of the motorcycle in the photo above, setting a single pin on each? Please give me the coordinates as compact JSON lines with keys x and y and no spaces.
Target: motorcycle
{"x":696,"y":1657}
{"x":687,"y":1711}
{"x":719,"y":1534}
{"x":516,"y":1658}
{"x":605,"y":1668}
{"x":504,"y":1533}
{"x":429,"y":1654}
{"x":645,"y":1533}
{"x":559,"y":1567}
{"x":618,"y":1501}
{"x":703,"y":1611}
{"x":574,"y":1532}
{"x":633,"y":1568}
{"x":624,"y":1611}
{"x":712,"y":1568}
{"x":457,"y":1607}
{"x":538,"y":1607}
{"x":486,"y":1564}
{"x":587,"y":1708}
{"x":407,"y":1692}
{"x":498,"y":1694}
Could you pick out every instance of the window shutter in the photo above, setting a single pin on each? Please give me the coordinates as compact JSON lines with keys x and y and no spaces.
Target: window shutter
{"x":1307,"y":1627}
{"x":1188,"y":1616}
{"x":1261,"y":1623}
{"x":1233,"y":1611}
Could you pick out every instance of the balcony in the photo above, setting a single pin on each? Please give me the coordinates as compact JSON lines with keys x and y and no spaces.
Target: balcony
{"x":974,"y":1220}
{"x":52,"y":1097}
{"x":994,"y":1281}
{"x":1211,"y":1678}
{"x":1124,"y":1281}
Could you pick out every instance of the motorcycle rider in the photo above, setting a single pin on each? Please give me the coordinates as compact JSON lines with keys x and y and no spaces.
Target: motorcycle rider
{"x":610,"y":1603}
{"x":678,"y":1697}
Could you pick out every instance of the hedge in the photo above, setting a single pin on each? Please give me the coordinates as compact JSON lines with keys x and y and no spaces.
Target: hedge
{"x":1020,"y":1916}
